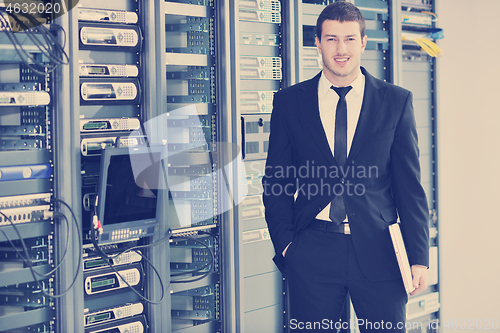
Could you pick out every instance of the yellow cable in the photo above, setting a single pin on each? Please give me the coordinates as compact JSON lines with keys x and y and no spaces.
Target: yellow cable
{"x":435,"y":49}
{"x":430,"y":13}
{"x":424,"y":47}
{"x":428,"y":46}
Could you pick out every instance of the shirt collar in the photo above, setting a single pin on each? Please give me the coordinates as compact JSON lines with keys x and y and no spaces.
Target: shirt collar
{"x":324,"y":84}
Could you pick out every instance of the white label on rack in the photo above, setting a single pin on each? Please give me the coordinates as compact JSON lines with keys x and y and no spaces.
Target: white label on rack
{"x":105,"y":91}
{"x":111,"y":281}
{"x":111,"y":70}
{"x":109,"y":124}
{"x":24,"y":98}
{"x":260,"y":16}
{"x":113,"y":314}
{"x":114,"y":16}
{"x":269,"y":62}
{"x":109,"y":36}
{"x":135,"y":327}
{"x":269,"y":5}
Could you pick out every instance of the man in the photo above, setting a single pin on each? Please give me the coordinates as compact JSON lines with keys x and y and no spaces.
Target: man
{"x":328,"y":214}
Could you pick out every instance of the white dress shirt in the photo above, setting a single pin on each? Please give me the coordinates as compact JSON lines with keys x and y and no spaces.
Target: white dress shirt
{"x":328,"y":100}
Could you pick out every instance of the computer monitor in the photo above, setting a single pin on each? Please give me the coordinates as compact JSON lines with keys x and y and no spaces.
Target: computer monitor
{"x":130,"y":178}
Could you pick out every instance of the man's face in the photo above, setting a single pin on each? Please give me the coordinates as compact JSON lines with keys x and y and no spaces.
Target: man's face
{"x":341,"y":47}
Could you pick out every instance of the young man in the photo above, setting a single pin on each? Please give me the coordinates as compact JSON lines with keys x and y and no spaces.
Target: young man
{"x":342,"y":166}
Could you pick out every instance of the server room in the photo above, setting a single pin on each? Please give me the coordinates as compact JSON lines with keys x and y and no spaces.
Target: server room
{"x":155,"y":157}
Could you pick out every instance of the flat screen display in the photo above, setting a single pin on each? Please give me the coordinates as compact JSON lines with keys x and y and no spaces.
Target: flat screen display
{"x":126,"y":200}
{"x":128,"y":188}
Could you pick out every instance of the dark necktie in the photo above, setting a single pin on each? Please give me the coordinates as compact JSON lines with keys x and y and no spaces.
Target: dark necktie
{"x":337,"y":208}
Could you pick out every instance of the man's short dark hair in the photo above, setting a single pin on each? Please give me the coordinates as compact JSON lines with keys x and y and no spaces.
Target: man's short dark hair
{"x":341,"y":11}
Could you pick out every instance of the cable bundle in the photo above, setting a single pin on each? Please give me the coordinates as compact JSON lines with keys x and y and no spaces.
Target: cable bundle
{"x":24,"y":255}
{"x":40,"y":36}
{"x":427,"y":45}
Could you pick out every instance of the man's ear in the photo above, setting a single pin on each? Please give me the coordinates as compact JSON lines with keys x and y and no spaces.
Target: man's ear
{"x":318,"y":44}
{"x":364,"y":40}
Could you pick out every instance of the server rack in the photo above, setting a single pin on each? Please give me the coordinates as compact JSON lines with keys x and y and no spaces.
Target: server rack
{"x":176,"y":70}
{"x":262,"y":68}
{"x":29,"y":261}
{"x":417,"y":73}
{"x":110,"y":44}
{"x":126,"y":63}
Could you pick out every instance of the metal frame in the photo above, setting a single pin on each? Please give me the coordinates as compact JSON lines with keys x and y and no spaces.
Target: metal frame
{"x":228,"y":128}
{"x":154,"y":104}
{"x":292,"y":36}
{"x":67,"y":180}
{"x":396,"y":44}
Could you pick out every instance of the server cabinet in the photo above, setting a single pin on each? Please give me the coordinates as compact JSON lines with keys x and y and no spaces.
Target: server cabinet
{"x":418,"y":65}
{"x":110,"y":39}
{"x":196,"y":172}
{"x":144,"y":71}
{"x":111,"y":48}
{"x":29,"y":262}
{"x":261,"y":68}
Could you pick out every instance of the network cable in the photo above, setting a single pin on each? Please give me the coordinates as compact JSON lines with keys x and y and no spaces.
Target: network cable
{"x":107,"y":259}
{"x":210,"y":263}
{"x":28,"y":261}
{"x":40,"y":36}
{"x":167,"y":238}
{"x":427,"y":45}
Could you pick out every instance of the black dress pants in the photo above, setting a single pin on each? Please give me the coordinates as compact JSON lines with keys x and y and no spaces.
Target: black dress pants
{"x":322,"y":269}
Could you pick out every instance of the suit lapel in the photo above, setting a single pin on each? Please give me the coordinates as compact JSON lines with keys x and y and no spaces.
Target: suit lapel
{"x":309,"y":111}
{"x":373,"y":98}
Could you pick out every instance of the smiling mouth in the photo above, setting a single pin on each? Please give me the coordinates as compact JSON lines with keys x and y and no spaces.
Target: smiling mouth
{"x":341,"y":60}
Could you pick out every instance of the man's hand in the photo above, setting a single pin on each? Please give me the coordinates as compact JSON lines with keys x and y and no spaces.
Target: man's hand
{"x":419,"y":274}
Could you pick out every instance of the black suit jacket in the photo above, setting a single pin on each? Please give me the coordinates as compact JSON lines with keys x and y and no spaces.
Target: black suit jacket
{"x":382,"y":172}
